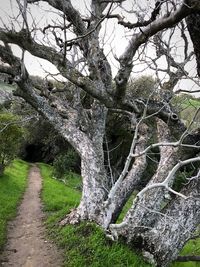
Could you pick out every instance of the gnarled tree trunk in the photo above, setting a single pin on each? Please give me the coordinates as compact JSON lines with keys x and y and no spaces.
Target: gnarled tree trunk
{"x":141,"y":216}
{"x":127,"y":181}
{"x":175,"y":226}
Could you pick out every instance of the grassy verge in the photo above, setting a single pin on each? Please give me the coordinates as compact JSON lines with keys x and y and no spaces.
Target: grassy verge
{"x":191,"y":248}
{"x":85,"y":244}
{"x":12,"y":186}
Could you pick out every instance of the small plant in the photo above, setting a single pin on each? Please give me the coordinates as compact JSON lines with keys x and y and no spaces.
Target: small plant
{"x":65,"y":163}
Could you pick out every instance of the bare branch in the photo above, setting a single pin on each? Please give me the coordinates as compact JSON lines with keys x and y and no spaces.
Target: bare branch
{"x":140,"y":38}
{"x":177,"y":143}
{"x":66,"y":68}
{"x":73,"y":16}
{"x":168,"y":179}
{"x":130,"y":25}
{"x":92,"y":30}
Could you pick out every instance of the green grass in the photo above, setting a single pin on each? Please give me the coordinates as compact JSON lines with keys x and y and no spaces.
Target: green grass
{"x":56,"y":195}
{"x":12,"y":186}
{"x":126,"y":207}
{"x":85,"y":244}
{"x":191,"y":248}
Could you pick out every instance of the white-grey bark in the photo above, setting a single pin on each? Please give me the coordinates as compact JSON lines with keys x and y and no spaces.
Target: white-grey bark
{"x":125,"y":184}
{"x":144,"y":210}
{"x":175,"y":226}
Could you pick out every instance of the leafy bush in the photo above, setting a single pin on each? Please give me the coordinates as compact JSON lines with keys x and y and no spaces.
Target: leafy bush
{"x":11,"y":133}
{"x":65,"y":163}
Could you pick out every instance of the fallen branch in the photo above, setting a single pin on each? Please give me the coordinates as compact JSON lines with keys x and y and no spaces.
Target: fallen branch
{"x":188,"y":258}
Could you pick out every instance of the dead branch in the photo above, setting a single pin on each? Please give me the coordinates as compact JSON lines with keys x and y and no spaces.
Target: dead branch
{"x":187,"y":258}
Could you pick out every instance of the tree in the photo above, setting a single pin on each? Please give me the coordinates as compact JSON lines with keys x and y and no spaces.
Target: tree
{"x":11,"y":133}
{"x":161,"y":219}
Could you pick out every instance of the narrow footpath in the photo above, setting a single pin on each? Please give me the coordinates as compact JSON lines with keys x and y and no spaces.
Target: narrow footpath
{"x":27,"y":244}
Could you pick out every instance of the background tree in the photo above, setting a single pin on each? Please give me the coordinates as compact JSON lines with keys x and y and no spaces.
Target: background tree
{"x":75,"y":45}
{"x":11,"y":135}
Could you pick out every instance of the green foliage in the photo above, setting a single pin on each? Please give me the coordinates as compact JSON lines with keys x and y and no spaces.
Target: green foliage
{"x":185,"y":172}
{"x":184,"y":101}
{"x":192,"y":248}
{"x":180,"y":181}
{"x":85,"y":244}
{"x":45,"y":141}
{"x":65,"y":163}
{"x":10,"y":137}
{"x":12,"y":186}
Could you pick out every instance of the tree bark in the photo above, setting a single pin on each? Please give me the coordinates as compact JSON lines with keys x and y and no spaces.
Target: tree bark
{"x":93,"y":193}
{"x":95,"y":184}
{"x":144,"y":211}
{"x":162,"y":232}
{"x":193,"y":24}
{"x":175,"y":226}
{"x":123,"y":188}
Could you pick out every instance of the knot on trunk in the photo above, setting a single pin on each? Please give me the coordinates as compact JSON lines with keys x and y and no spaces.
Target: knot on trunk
{"x":2,"y":168}
{"x":72,"y":218}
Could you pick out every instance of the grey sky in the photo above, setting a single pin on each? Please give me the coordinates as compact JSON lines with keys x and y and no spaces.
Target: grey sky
{"x":35,"y":66}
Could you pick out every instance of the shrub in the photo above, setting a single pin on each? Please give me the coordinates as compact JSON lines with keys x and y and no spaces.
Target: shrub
{"x":11,"y":133}
{"x":65,"y":163}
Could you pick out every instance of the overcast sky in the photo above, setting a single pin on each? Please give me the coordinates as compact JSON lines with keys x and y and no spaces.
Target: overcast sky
{"x":117,"y":41}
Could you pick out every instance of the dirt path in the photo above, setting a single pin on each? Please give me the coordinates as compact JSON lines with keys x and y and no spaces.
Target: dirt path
{"x":27,"y":245}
